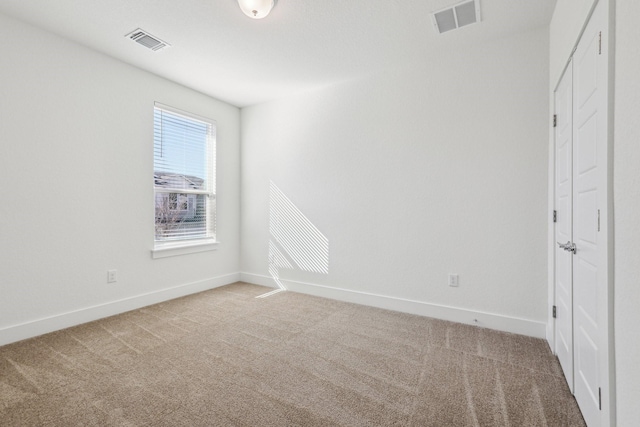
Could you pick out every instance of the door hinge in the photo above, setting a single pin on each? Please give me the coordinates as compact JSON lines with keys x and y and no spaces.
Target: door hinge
{"x":600,"y":43}
{"x":555,"y":218}
{"x":555,"y":120}
{"x":598,"y":219}
{"x":554,"y":312}
{"x":599,"y":398}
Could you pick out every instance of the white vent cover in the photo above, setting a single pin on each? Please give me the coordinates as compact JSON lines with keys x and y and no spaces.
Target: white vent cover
{"x":456,"y":16}
{"x":147,"y":40}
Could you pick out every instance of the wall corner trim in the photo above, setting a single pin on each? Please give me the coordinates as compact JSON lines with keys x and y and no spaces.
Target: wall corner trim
{"x":45,"y":325}
{"x":498,"y":322}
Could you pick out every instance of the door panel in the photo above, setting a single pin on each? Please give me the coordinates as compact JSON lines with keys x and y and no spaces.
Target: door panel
{"x":587,"y":152}
{"x":564,"y":224}
{"x":586,"y":226}
{"x":589,"y":121}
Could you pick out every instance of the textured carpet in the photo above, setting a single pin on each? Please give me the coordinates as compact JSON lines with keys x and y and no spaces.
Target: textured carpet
{"x":226,"y":358}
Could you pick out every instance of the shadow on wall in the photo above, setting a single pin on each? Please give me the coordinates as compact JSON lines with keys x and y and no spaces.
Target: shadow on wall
{"x":295,"y":242}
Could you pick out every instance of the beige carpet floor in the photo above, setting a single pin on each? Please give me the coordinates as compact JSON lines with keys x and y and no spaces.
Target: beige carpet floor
{"x":226,"y":358}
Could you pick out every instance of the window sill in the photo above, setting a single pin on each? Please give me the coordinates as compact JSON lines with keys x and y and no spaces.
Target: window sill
{"x":164,"y":250}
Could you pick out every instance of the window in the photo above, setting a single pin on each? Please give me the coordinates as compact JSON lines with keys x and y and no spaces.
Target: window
{"x":184,"y":179}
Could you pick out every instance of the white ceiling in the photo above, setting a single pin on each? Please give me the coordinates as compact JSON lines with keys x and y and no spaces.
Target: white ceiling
{"x":301,"y":45}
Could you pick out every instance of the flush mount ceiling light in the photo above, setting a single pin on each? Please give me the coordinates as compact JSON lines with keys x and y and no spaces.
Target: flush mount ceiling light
{"x":256,"y":9}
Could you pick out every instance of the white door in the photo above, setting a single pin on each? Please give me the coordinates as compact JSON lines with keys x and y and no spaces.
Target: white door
{"x":589,"y":165}
{"x":564,"y":223}
{"x":582,"y":292}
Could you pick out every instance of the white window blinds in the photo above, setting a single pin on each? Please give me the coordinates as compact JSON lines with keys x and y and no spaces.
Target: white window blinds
{"x":184,"y":175}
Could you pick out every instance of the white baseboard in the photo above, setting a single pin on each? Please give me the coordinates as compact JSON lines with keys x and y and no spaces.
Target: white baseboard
{"x":258,"y":279}
{"x":65,"y":320}
{"x":486,"y":320}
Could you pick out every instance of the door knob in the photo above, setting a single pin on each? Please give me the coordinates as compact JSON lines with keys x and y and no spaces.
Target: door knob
{"x":569,"y":247}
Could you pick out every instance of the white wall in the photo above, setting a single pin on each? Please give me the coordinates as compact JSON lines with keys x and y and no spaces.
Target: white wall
{"x":627,"y":206}
{"x":76,"y":168}
{"x":412,"y":176}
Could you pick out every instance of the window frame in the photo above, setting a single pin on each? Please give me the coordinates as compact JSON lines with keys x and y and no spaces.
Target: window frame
{"x":172,"y":247}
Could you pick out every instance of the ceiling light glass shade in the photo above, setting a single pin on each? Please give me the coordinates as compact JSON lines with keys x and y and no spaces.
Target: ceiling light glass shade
{"x":256,"y":9}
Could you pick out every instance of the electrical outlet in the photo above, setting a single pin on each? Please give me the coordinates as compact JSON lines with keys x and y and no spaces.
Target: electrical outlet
{"x":454,"y":280}
{"x":112,"y":276}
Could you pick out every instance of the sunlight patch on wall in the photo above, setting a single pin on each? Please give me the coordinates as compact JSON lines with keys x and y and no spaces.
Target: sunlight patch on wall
{"x":276,"y":258}
{"x":277,"y":261}
{"x":307,"y":247}
{"x":295,"y":242}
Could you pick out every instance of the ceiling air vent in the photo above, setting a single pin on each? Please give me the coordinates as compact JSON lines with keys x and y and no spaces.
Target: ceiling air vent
{"x":459,"y":15}
{"x":147,"y":40}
